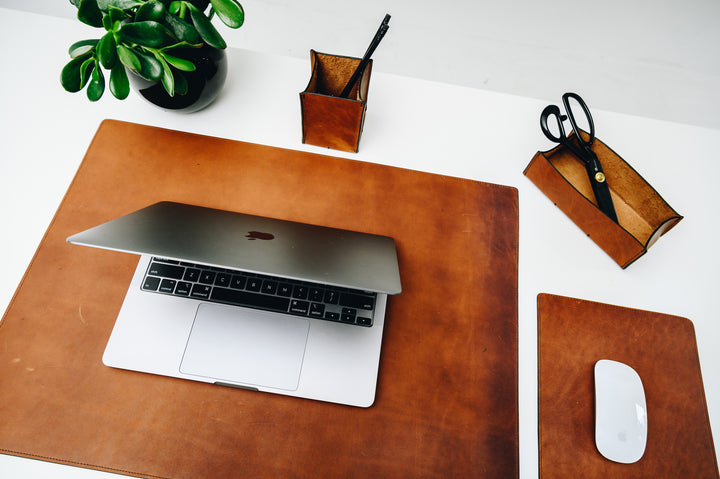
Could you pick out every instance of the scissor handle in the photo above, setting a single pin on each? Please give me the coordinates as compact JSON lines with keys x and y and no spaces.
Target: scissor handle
{"x":553,"y":110}
{"x":566,"y":102}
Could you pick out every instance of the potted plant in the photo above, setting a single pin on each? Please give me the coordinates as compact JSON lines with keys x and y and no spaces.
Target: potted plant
{"x":170,"y":50}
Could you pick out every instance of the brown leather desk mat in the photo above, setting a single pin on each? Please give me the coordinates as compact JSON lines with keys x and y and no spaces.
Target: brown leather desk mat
{"x":446,"y":404}
{"x":572,"y":335}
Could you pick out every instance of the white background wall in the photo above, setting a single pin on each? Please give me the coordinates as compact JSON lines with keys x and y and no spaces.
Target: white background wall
{"x":654,"y":58}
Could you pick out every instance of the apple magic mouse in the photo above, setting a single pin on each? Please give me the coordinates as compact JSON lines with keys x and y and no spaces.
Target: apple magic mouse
{"x":620,"y":412}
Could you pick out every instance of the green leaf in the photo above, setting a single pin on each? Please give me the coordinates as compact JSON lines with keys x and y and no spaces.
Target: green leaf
{"x":151,"y":68}
{"x":70,"y":77}
{"x":107,"y":22}
{"x":231,"y":13}
{"x":89,"y":13}
{"x":206,"y":29}
{"x":85,"y":69}
{"x":148,"y":34}
{"x":105,"y":5}
{"x":167,"y":78}
{"x":182,"y":30}
{"x":119,"y":84}
{"x":175,"y":7}
{"x":112,"y":19}
{"x":179,"y":63}
{"x":117,"y":15}
{"x":128,"y":58}
{"x":96,"y":88}
{"x":81,"y":47}
{"x":152,"y":10}
{"x":181,"y":84}
{"x":180,"y":45}
{"x":107,"y":51}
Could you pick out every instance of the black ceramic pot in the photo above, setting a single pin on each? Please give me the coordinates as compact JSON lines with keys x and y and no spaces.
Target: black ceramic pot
{"x":204,"y":84}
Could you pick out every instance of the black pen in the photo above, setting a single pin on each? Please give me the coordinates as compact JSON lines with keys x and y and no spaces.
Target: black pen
{"x":366,"y":58}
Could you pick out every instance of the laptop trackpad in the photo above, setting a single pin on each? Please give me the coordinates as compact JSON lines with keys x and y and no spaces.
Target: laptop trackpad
{"x":249,"y":347}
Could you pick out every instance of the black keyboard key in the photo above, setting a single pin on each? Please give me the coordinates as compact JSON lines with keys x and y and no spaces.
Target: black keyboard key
{"x":201,"y":291}
{"x":284,"y":289}
{"x":253,"y":300}
{"x":254,"y":284}
{"x":357,"y":301}
{"x":183,"y":288}
{"x":165,"y":260}
{"x":347,"y":315}
{"x":223,"y":279}
{"x":166,"y":270}
{"x":269,"y":287}
{"x":300,"y":292}
{"x":332,"y":316}
{"x":167,"y":286}
{"x":151,"y":283}
{"x":192,"y":274}
{"x":364,"y":321}
{"x":299,"y":307}
{"x":331,"y":296}
{"x":238,"y":282}
{"x":316,"y":294}
{"x":207,"y":277}
{"x":317,"y":310}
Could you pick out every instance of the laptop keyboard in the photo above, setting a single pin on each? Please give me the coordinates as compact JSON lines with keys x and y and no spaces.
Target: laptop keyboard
{"x":260,"y":291}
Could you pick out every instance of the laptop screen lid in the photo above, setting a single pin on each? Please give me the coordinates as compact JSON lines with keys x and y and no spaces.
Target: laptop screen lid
{"x":253,"y":243}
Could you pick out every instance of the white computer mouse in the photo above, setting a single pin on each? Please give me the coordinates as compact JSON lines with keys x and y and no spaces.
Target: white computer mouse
{"x":620,"y":412}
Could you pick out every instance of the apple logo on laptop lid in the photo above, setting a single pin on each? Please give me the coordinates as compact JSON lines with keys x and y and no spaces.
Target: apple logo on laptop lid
{"x":259,"y":235}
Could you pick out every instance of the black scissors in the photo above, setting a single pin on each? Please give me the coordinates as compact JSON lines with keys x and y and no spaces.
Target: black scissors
{"x":581,"y":148}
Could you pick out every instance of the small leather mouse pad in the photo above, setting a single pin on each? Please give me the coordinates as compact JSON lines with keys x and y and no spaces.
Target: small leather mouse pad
{"x":573,"y":334}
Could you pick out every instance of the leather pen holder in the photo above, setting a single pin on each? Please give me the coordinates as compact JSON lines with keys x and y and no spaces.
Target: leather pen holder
{"x":327,"y":119}
{"x":643,"y":215}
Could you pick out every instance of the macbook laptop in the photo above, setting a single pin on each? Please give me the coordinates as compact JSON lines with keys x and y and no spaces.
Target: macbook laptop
{"x":251,"y":302}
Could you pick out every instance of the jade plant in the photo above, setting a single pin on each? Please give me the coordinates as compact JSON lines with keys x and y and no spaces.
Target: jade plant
{"x":147,"y":37}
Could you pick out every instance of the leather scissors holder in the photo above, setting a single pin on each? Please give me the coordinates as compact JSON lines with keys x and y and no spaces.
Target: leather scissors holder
{"x":643,"y":215}
{"x":327,"y":119}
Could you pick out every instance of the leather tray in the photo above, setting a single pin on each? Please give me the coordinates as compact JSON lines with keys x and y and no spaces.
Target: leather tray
{"x":447,"y":401}
{"x":572,"y":335}
{"x":643,"y":215}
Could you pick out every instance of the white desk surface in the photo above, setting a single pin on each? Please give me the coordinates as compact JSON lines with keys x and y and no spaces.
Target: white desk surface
{"x":410,"y":123}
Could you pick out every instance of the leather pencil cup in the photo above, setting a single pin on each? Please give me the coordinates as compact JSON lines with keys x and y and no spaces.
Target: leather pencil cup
{"x":328,"y":120}
{"x":643,"y":215}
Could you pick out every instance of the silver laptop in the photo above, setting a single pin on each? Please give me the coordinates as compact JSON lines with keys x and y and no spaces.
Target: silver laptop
{"x":251,"y":302}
